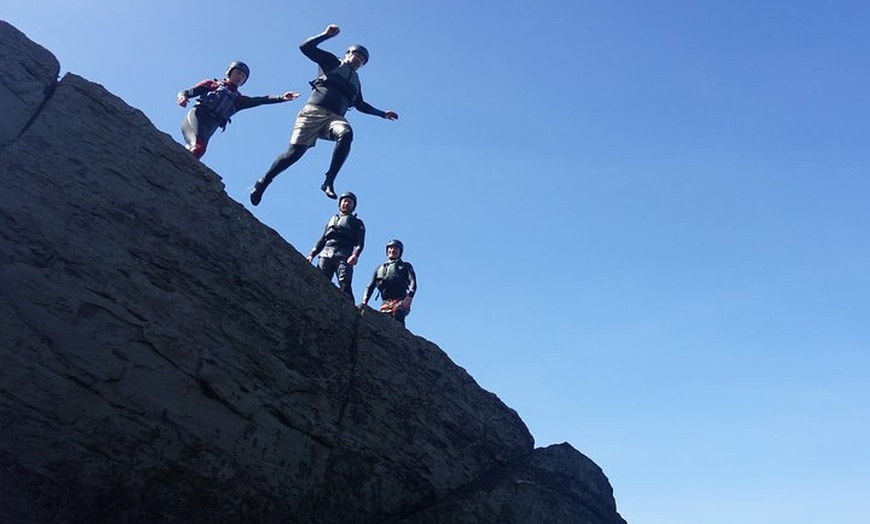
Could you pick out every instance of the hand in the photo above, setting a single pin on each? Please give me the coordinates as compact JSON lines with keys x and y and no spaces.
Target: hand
{"x":290,"y":95}
{"x":391,"y":115}
{"x":331,"y":30}
{"x":351,"y":260}
{"x":309,"y":258}
{"x":182,"y":100}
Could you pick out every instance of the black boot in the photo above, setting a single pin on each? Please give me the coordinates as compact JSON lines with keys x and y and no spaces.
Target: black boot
{"x":327,"y":188}
{"x":259,"y":188}
{"x":339,"y":155}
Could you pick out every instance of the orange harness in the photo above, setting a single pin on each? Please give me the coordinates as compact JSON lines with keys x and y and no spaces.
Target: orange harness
{"x":391,"y":306}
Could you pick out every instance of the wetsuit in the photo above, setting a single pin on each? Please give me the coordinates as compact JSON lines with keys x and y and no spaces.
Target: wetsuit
{"x":218,"y":101}
{"x":335,"y":90}
{"x":343,"y":236}
{"x":395,"y":280}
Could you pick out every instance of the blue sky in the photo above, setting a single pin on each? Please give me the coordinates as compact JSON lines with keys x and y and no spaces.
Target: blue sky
{"x":643,"y":225}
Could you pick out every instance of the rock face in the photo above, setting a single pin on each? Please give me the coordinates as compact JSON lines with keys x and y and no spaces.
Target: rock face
{"x":165,"y":357}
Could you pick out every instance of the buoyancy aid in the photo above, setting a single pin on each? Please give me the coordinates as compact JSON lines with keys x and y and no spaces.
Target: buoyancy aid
{"x":392,"y":279}
{"x":388,"y":271}
{"x":221,"y":102}
{"x":344,"y":78}
{"x":340,"y":229}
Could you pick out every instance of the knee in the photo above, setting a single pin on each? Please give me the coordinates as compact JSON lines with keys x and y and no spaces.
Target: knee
{"x":198,"y":149}
{"x":344,"y":135}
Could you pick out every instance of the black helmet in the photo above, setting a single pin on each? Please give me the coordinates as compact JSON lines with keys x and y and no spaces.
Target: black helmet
{"x":396,"y":243}
{"x":241,"y":66}
{"x":349,"y":195}
{"x":361,"y":50}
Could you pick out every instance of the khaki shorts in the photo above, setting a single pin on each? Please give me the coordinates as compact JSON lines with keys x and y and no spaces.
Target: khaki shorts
{"x":315,"y":122}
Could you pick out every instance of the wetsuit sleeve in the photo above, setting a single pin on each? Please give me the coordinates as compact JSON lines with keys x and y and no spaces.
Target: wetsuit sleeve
{"x":200,"y":89}
{"x":371,"y":287}
{"x":247,"y":102}
{"x":360,"y":238}
{"x":412,"y":281}
{"x":364,"y":107}
{"x":318,"y":247}
{"x":326,"y":60}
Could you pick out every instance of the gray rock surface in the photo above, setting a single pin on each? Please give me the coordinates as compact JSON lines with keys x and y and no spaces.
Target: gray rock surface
{"x":29,"y":76}
{"x":165,"y":357}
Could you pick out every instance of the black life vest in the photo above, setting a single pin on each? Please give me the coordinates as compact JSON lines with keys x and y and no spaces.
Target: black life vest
{"x":344,"y":78}
{"x":221,"y":102}
{"x":388,"y":271}
{"x":340,"y":229}
{"x":392,"y":279}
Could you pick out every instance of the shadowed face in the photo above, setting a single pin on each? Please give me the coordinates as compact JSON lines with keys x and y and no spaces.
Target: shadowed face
{"x":346,"y":206}
{"x":393,"y":252}
{"x":237,"y":76}
{"x":355,"y":59}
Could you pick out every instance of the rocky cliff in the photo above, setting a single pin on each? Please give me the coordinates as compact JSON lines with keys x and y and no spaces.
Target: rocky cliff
{"x":165,"y":357}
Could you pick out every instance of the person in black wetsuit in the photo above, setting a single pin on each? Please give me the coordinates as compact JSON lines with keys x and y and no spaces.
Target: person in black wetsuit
{"x":335,"y":90}
{"x":341,"y":244}
{"x":218,"y":100}
{"x":396,"y":281}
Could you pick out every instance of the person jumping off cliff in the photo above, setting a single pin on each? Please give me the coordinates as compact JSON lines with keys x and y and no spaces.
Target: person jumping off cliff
{"x":335,"y":90}
{"x":218,"y":100}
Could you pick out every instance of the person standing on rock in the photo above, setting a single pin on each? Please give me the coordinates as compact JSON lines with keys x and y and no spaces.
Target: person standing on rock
{"x":335,"y":90}
{"x":341,"y":244}
{"x":218,"y":100}
{"x":396,"y":282}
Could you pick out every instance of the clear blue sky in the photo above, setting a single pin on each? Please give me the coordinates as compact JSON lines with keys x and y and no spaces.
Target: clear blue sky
{"x":642,"y":224}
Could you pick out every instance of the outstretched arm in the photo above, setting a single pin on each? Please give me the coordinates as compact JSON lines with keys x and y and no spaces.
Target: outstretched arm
{"x":199,"y":89}
{"x":364,"y":107}
{"x":247,"y":102}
